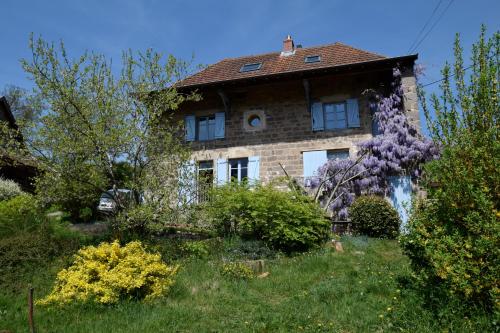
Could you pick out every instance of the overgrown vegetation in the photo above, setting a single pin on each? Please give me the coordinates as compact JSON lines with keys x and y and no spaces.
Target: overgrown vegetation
{"x":29,"y":239}
{"x":285,"y":220}
{"x":454,"y":236}
{"x":317,"y":291}
{"x":375,"y":217}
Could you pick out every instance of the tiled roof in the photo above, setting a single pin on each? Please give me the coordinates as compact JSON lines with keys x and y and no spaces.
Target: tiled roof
{"x":332,"y":55}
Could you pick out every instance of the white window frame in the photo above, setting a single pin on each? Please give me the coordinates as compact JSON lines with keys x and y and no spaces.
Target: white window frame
{"x":239,"y":168}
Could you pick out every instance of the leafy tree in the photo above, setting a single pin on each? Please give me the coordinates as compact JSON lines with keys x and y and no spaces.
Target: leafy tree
{"x":96,"y":122}
{"x":454,"y":235}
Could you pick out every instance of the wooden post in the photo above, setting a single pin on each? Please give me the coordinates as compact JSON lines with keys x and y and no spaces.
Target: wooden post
{"x":30,"y":310}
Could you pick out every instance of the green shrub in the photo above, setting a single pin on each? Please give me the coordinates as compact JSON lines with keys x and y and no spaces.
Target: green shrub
{"x":197,"y":249}
{"x":20,"y":213}
{"x":110,"y":272}
{"x":9,"y":189}
{"x":34,"y":248}
{"x":237,"y":271}
{"x":27,"y":236}
{"x":373,"y":216}
{"x":454,"y":238}
{"x":286,"y":221}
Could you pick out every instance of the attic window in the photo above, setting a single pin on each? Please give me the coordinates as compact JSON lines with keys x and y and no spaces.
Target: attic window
{"x":251,"y":67}
{"x":311,"y":59}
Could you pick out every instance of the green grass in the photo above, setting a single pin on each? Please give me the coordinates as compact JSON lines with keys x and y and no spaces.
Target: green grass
{"x":319,"y":291}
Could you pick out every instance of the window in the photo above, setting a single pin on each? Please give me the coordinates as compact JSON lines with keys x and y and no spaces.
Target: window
{"x":205,"y":180}
{"x":311,"y":59}
{"x":254,"y":121}
{"x":238,"y":169}
{"x":250,"y":67}
{"x":335,"y":115}
{"x":340,"y":154}
{"x":206,"y":171}
{"x":206,"y":128}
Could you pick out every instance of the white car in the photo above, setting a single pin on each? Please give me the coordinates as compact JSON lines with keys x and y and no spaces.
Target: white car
{"x":107,"y":202}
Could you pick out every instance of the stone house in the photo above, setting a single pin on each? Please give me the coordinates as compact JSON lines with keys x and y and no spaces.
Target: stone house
{"x":298,"y":107}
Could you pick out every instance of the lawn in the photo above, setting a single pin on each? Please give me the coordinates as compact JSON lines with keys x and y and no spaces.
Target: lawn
{"x":357,"y":290}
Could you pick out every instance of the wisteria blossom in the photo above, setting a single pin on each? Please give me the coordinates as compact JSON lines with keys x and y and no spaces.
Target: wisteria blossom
{"x":397,"y":149}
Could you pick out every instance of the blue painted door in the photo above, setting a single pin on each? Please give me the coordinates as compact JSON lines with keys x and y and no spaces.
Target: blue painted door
{"x":401,"y":197}
{"x":313,"y":160}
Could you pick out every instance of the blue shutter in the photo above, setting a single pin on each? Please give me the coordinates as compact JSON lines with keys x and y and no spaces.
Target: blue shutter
{"x":401,"y":197}
{"x":203,"y":129}
{"x":339,"y":121}
{"x":222,"y":171}
{"x":317,"y":117}
{"x":253,"y":169}
{"x":313,"y":160}
{"x":353,"y":113}
{"x":220,"y":120}
{"x":187,"y":183}
{"x":190,"y":125}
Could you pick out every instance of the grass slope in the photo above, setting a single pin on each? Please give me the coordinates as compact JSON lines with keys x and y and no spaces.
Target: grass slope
{"x":320,"y":291}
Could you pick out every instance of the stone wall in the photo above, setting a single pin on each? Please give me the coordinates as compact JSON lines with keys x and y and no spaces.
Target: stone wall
{"x":287,"y":131}
{"x":410,"y":99}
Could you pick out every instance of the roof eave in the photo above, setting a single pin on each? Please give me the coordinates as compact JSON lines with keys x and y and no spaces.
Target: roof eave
{"x":379,"y":62}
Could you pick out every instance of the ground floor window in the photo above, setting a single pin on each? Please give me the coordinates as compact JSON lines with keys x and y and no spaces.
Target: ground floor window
{"x":341,"y":154}
{"x":205,"y":179}
{"x":238,"y":169}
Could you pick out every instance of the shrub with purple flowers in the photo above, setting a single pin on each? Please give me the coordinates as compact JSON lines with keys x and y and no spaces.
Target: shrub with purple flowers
{"x":398,"y":149}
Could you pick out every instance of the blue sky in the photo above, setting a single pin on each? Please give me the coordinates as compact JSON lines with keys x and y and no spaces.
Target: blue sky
{"x":212,"y":30}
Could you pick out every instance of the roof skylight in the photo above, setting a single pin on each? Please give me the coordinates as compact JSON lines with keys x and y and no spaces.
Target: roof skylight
{"x":250,"y":67}
{"x":312,"y":58}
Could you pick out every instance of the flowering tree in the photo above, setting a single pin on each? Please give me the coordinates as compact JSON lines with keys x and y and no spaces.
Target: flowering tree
{"x":398,"y":149}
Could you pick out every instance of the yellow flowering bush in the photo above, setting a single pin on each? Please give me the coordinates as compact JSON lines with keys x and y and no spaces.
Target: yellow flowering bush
{"x":110,"y":272}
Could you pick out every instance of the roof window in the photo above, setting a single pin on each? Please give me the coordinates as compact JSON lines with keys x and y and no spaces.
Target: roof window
{"x":250,"y":67}
{"x":312,"y":58}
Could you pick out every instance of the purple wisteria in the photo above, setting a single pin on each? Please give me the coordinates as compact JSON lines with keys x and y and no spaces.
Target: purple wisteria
{"x":397,"y":149}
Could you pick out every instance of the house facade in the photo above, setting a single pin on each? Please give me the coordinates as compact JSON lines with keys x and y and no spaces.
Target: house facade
{"x":292,"y":110}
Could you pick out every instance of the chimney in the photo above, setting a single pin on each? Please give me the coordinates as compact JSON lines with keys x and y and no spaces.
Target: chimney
{"x":288,"y":46}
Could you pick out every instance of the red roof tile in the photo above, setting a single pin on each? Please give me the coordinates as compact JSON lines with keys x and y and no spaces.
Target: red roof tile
{"x":332,"y":55}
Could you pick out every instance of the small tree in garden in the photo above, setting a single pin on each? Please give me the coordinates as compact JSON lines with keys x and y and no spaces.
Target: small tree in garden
{"x":398,"y":149}
{"x":95,"y":122}
{"x":454,"y":237}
